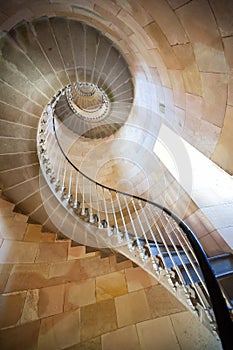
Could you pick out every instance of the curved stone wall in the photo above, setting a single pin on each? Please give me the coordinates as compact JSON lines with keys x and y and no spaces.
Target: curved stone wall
{"x":178,"y":52}
{"x":184,"y":47}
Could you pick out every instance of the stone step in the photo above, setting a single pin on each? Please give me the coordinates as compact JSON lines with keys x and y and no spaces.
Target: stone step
{"x":113,"y":61}
{"x":22,"y":190}
{"x":13,"y":227}
{"x":92,"y":44}
{"x":12,"y":144}
{"x":125,"y":96}
{"x":15,"y":160}
{"x":14,"y":176}
{"x":30,"y":204}
{"x":17,"y":252}
{"x":60,"y":29}
{"x":78,"y":46}
{"x":20,"y":82}
{"x":46,"y":299}
{"x":18,"y":115}
{"x":48,"y":237}
{"x":22,"y":276}
{"x":26,"y":40}
{"x":53,"y":251}
{"x":79,"y":252}
{"x":33,"y":234}
{"x":18,"y":100}
{"x":222,"y":263}
{"x":116,"y":71}
{"x":104,"y":47}
{"x":17,"y":131}
{"x":20,"y":217}
{"x":226,"y":282}
{"x":122,"y":84}
{"x":6,"y":208}
{"x":48,"y":43}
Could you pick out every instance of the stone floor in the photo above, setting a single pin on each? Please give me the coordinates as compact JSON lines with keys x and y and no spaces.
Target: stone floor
{"x":122,"y":309}
{"x":54,"y":296}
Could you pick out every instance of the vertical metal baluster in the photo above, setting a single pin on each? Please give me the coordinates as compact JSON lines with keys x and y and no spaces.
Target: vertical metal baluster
{"x":47,"y":146}
{"x":84,"y":50}
{"x":47,"y":134}
{"x":48,"y":131}
{"x":50,"y":151}
{"x":42,"y":131}
{"x":44,"y":124}
{"x":52,"y":176}
{"x":168,"y":251}
{"x":178,"y":254}
{"x":44,"y":136}
{"x":98,"y":207}
{"x":69,"y":196}
{"x":115,"y":220}
{"x":63,"y":180}
{"x":45,"y":118}
{"x":187,"y":253}
{"x":103,"y":64}
{"x":58,"y":172}
{"x":106,"y":212}
{"x":48,"y":166}
{"x":76,"y":191}
{"x":155,"y":265}
{"x":142,"y":229}
{"x":96,"y":52}
{"x":186,"y":269}
{"x":83,"y":201}
{"x":90,"y":205}
{"x":134,"y":230}
{"x":130,"y":246}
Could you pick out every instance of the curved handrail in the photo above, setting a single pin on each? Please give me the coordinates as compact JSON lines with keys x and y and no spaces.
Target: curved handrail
{"x":73,"y":107}
{"x":222,"y":316}
{"x":98,"y":183}
{"x":221,"y":312}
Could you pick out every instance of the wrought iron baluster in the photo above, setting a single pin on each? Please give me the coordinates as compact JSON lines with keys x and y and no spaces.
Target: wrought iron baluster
{"x":98,"y":207}
{"x":83,"y":197}
{"x":167,"y":250}
{"x":63,"y":188}
{"x":90,"y":204}
{"x":106,"y":220}
{"x":76,"y":191}
{"x":142,"y":229}
{"x":59,"y":172}
{"x":69,"y":195}
{"x":187,"y":248}
{"x":134,"y":230}
{"x":115,"y":221}
{"x":129,"y":242}
{"x":156,"y":266}
{"x":185,"y":267}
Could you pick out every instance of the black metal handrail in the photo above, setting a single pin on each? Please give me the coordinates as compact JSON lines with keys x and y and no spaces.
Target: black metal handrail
{"x":220,"y":308}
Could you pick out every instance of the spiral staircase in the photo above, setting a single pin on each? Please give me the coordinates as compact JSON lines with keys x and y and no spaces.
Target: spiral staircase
{"x":53,"y":98}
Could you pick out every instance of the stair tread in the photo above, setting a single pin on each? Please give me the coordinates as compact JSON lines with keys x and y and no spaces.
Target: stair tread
{"x":221,"y":256}
{"x":225,"y":275}
{"x":221,"y":263}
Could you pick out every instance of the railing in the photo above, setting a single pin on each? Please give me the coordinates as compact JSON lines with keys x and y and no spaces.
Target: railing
{"x":157,"y":236}
{"x":95,"y":114}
